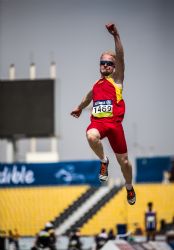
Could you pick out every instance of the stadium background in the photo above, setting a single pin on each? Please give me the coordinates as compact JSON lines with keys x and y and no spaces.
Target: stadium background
{"x":73,"y":35}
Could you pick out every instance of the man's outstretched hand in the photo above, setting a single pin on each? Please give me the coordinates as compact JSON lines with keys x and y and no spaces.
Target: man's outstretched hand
{"x":76,"y":112}
{"x":112,"y":29}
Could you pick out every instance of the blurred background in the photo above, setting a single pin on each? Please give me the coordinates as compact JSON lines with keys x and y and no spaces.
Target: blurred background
{"x":56,"y":46}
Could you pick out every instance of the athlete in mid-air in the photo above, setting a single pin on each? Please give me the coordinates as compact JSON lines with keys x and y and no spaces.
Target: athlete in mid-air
{"x":108,"y":113}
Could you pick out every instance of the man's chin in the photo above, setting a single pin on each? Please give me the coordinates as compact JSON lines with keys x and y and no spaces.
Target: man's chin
{"x":105,"y":73}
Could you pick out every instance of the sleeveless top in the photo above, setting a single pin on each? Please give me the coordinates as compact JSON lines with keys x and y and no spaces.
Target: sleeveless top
{"x":150,"y":219}
{"x":108,"y":103}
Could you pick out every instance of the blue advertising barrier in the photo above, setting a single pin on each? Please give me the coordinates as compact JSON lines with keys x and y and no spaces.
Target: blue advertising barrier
{"x":60,"y":173}
{"x":151,"y":169}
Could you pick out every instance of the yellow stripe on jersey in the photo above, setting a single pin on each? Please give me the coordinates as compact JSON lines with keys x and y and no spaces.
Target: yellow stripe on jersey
{"x":118,"y":89}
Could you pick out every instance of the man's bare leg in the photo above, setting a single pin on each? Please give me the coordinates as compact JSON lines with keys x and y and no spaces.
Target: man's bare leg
{"x":126,"y":169}
{"x":94,"y":141}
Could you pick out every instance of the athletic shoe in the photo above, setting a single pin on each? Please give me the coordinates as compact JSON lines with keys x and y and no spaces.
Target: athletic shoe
{"x":131,"y":196}
{"x":103,"y":176}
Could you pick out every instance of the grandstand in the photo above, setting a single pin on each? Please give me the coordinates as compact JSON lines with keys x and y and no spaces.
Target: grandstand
{"x":29,"y":208}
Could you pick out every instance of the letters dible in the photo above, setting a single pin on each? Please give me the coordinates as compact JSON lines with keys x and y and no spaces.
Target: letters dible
{"x":15,"y":176}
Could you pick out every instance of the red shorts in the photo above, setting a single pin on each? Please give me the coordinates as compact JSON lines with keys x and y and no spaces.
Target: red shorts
{"x":115,"y":134}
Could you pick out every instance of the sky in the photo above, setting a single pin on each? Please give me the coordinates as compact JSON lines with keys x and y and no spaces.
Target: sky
{"x":73,"y":34}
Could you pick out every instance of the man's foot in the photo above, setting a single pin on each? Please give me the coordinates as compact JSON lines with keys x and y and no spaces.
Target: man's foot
{"x":103,"y":176}
{"x":131,"y":196}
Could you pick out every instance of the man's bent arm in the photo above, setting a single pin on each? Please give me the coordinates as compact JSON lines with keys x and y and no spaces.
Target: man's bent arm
{"x":86,"y":100}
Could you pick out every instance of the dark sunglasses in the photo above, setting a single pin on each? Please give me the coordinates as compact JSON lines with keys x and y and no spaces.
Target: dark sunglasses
{"x":108,"y":63}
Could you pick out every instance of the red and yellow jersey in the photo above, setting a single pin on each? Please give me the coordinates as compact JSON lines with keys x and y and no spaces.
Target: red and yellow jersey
{"x":108,"y":103}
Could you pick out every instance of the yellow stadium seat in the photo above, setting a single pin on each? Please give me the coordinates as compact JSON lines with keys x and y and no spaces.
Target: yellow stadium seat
{"x":118,"y":211}
{"x":28,"y":209}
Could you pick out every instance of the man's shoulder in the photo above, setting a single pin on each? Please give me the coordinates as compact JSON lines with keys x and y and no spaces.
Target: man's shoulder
{"x":98,"y":81}
{"x":115,"y":82}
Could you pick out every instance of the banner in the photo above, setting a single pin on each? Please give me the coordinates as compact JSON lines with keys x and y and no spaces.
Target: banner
{"x":60,"y":173}
{"x":152,"y":169}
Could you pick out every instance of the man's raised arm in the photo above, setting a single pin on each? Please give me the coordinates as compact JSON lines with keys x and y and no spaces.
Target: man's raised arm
{"x":119,"y":70}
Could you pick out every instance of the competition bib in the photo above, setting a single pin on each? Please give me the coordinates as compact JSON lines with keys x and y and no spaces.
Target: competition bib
{"x":102,"y":108}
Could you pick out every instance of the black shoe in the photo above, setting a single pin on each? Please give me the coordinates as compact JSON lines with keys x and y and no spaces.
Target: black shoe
{"x":131,"y":196}
{"x":103,"y":176}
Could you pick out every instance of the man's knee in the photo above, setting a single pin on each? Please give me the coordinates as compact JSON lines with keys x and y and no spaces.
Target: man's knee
{"x":93,"y":135}
{"x":123,"y":159}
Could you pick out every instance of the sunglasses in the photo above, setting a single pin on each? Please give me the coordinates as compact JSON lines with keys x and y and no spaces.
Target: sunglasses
{"x":108,"y":63}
